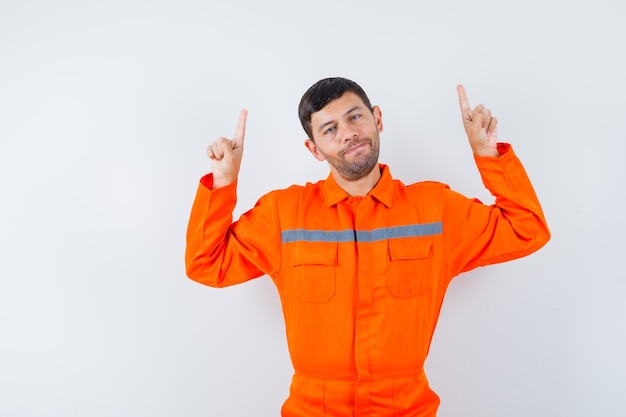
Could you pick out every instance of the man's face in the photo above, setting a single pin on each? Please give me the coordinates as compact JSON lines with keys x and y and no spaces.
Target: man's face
{"x":346,"y":134}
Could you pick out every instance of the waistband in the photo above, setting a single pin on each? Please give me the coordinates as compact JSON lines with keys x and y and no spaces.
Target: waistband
{"x":355,"y":378}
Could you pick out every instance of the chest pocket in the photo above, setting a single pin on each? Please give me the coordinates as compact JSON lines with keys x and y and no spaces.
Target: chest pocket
{"x":410,"y":266}
{"x":315,"y":271}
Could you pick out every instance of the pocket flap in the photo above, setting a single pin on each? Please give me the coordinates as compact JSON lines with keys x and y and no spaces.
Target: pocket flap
{"x":410,"y":248}
{"x":314,"y":253}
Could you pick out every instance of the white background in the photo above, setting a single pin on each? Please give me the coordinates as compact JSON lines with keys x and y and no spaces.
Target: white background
{"x":105,"y":112}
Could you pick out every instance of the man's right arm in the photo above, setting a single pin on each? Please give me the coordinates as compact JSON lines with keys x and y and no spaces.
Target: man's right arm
{"x":220,"y":252}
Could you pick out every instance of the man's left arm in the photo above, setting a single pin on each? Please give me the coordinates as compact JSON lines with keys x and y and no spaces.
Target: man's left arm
{"x":515,"y":225}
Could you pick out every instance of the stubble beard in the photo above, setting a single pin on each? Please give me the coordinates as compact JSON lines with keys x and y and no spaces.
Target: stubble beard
{"x":360,"y":166}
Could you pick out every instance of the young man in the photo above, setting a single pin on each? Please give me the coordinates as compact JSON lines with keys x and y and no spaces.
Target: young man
{"x":360,"y":260}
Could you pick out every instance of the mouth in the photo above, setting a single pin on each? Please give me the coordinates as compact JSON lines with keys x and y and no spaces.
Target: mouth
{"x":355,"y":148}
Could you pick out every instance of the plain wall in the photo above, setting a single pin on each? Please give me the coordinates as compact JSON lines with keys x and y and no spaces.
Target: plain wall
{"x":105,"y":112}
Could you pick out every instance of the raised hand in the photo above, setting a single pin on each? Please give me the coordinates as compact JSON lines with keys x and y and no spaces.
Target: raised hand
{"x":479,"y":125}
{"x":226,"y":154}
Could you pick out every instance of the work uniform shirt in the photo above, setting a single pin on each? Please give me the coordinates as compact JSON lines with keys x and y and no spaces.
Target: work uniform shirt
{"x":362,"y":279}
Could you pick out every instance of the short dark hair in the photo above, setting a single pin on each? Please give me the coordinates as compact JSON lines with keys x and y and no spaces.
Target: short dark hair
{"x":323,"y":92}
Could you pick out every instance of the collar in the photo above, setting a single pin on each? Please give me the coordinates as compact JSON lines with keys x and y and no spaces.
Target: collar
{"x":382,"y":191}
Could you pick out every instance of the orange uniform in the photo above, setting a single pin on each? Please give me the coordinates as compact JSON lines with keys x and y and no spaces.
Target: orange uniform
{"x":362,"y":279}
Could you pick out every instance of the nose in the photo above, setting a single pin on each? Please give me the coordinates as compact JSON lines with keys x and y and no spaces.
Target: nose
{"x":348,"y":133}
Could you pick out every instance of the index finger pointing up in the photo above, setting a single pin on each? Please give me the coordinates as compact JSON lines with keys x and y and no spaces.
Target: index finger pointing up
{"x":463,"y":101}
{"x":240,"y":131}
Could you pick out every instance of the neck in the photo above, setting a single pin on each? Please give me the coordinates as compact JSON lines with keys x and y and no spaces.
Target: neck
{"x":360,"y":187}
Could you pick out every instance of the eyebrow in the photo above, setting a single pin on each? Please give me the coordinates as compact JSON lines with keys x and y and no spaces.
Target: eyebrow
{"x":330,"y":122}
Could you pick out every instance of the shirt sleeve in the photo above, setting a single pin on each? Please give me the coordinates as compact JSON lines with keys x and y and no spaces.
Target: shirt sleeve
{"x":221,"y":252}
{"x":477,"y":234}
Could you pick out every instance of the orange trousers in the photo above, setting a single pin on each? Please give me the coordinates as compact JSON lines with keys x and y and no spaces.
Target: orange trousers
{"x":406,"y":396}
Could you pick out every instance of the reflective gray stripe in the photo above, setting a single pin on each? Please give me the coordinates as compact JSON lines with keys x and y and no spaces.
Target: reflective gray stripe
{"x":412,"y":230}
{"x":317,"y":236}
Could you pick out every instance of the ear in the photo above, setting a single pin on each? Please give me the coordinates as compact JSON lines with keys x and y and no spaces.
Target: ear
{"x":312,"y":147}
{"x":378,"y":118}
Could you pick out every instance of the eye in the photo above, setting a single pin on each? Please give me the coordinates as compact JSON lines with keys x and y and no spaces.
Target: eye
{"x":355,"y":116}
{"x":330,"y":130}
